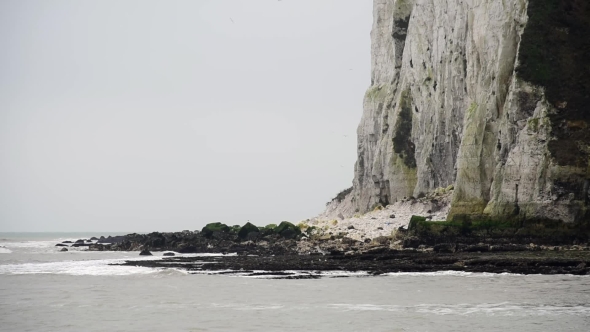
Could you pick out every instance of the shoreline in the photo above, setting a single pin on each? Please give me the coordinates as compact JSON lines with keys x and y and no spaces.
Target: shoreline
{"x":378,"y":262}
{"x":425,"y":246}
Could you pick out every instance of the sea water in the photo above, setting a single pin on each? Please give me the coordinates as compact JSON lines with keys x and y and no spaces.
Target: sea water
{"x":42,"y":289}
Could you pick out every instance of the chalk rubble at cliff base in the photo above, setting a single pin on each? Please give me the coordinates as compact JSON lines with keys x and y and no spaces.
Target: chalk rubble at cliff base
{"x":382,"y":221}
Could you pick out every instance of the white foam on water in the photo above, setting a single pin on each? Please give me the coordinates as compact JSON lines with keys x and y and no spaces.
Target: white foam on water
{"x":236,"y":306}
{"x":466,"y":309}
{"x":99,"y":267}
{"x":5,"y":250}
{"x":449,"y":274}
{"x":505,"y":309}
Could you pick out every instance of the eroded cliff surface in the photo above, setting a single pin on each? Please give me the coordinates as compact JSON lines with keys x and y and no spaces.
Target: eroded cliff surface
{"x":489,"y":95}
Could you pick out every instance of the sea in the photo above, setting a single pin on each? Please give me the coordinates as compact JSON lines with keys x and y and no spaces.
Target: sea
{"x":43,"y":289}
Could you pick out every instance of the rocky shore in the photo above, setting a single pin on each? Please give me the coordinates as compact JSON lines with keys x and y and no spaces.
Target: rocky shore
{"x":379,"y":261}
{"x":304,"y":251}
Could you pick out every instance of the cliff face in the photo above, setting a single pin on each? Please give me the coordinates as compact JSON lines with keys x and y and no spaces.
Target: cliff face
{"x":492,"y":96}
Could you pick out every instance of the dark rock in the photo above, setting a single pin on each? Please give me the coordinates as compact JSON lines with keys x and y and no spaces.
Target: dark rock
{"x":367,"y":240}
{"x":348,"y":241}
{"x":382,"y":240}
{"x":187,"y":249}
{"x":379,"y":228}
{"x":79,"y":241}
{"x":88,"y":240}
{"x":287,"y":230}
{"x":253,"y":236}
{"x":100,"y":247}
{"x":94,"y":238}
{"x":81,"y":244}
{"x":67,"y":242}
{"x":444,"y":248}
{"x":508,"y":247}
{"x":411,"y":242}
{"x":168,"y":254}
{"x":61,"y":245}
{"x":246,"y":230}
{"x":64,"y":249}
{"x":268,"y":230}
{"x":211,"y":228}
{"x":112,"y":239}
{"x":222,"y":236}
{"x":392,"y":216}
{"x":145,"y":253}
{"x":351,"y":227}
{"x":477,"y":248}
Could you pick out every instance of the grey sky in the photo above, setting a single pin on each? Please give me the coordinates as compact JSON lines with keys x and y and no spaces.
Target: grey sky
{"x":166,"y":115}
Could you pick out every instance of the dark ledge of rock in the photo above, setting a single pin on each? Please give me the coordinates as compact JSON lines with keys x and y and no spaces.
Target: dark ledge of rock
{"x":145,"y":253}
{"x":169,"y":254}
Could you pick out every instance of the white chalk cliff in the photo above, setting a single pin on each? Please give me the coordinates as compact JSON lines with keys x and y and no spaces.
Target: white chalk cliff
{"x":490,"y":96}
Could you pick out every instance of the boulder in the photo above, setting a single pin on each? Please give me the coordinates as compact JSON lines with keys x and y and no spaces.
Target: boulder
{"x":287,"y":230}
{"x":268,"y":229}
{"x":350,"y":227}
{"x":79,"y":241}
{"x":211,"y":228}
{"x":348,"y":241}
{"x":169,"y":254}
{"x":247,"y":229}
{"x":112,"y":239}
{"x":67,"y":242}
{"x":382,"y":240}
{"x":61,"y":245}
{"x":64,"y":249}
{"x":253,"y":236}
{"x":94,"y":238}
{"x":145,"y":253}
{"x":411,"y":242}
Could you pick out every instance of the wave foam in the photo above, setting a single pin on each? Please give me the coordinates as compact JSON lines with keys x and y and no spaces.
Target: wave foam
{"x":100,"y":267}
{"x":465,"y":309}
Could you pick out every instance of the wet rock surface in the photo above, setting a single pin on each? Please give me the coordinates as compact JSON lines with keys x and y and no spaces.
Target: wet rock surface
{"x":287,"y":252}
{"x":380,"y":261}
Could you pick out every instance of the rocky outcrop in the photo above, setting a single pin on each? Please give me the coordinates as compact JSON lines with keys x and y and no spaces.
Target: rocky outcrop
{"x":491,"y":96}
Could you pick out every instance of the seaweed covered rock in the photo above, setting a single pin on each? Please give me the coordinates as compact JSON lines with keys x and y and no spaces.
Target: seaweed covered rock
{"x":247,"y":229}
{"x":211,"y":228}
{"x":268,"y":229}
{"x":287,"y":230}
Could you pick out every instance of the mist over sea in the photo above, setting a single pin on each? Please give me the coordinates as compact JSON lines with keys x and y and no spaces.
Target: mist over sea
{"x":42,"y":289}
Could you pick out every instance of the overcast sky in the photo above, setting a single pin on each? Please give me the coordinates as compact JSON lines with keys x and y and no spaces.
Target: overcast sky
{"x":166,"y":115}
